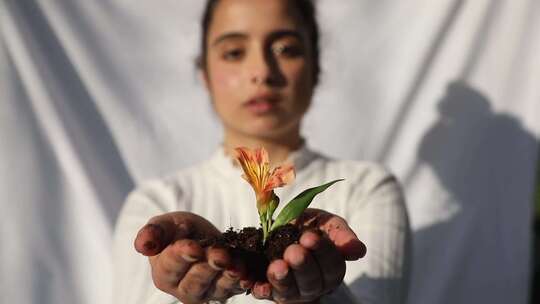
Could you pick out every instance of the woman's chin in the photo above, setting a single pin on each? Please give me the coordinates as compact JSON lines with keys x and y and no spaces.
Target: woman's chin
{"x":270,"y":130}
{"x":264,"y":125}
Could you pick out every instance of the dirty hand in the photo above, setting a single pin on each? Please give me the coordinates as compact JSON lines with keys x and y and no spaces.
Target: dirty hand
{"x":316,"y":265}
{"x":181,"y":267}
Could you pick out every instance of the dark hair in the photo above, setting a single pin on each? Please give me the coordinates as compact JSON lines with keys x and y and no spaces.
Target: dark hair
{"x":307,"y":12}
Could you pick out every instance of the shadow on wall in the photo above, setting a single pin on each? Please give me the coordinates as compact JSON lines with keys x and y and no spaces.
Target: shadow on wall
{"x":470,"y":144}
{"x":485,"y":161}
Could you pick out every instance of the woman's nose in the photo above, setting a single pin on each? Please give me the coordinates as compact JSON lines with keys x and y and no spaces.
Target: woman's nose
{"x":263,"y":70}
{"x":259,"y":69}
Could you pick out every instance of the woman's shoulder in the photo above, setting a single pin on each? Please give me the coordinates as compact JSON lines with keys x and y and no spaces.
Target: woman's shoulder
{"x":366,"y":184}
{"x":366,"y":173}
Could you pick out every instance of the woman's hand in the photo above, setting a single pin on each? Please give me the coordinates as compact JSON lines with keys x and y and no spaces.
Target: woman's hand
{"x":316,"y":265}
{"x":182,"y":268}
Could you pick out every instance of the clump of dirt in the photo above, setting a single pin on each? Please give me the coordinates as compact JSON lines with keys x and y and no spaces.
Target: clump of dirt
{"x":247,"y":245}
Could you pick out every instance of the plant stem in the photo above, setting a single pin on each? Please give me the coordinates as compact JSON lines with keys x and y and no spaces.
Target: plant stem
{"x":264,"y":224}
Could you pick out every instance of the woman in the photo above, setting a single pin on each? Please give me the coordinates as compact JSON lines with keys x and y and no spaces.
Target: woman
{"x":260,"y":64}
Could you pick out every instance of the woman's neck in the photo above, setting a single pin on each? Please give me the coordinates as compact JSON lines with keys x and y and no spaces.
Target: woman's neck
{"x":278,"y":149}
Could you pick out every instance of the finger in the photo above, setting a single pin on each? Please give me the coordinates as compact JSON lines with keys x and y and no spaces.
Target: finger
{"x":195,"y":284}
{"x":199,"y":282}
{"x":160,"y":232}
{"x":306,"y":271}
{"x":220,"y":290}
{"x":310,"y":239}
{"x":218,"y":258}
{"x":262,"y":291}
{"x":237,"y":269}
{"x":171,"y":265}
{"x":228,"y":283}
{"x":329,"y":259}
{"x":282,"y":280}
{"x":344,"y":238}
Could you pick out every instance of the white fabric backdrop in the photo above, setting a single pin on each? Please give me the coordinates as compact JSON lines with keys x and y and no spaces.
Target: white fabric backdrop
{"x":99,"y":95}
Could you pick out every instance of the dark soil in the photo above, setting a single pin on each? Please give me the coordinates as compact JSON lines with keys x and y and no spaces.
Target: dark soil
{"x":247,"y":245}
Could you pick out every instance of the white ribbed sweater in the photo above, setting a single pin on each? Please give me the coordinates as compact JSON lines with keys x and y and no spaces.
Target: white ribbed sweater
{"x":370,"y":200}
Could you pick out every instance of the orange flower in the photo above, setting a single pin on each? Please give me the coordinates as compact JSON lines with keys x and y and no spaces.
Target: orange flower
{"x":256,"y":166}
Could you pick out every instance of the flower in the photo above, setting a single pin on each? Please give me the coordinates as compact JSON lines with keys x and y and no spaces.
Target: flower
{"x":256,"y":167}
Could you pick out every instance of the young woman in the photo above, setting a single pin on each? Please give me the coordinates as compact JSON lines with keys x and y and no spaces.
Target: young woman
{"x":260,"y":63}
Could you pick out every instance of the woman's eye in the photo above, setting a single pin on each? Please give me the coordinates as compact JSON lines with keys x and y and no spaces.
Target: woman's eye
{"x":233,"y":54}
{"x":287,"y":51}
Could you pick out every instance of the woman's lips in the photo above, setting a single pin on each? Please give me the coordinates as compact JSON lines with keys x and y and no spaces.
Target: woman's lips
{"x":262,"y":104}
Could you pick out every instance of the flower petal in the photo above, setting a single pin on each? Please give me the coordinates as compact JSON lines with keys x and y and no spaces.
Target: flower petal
{"x":245,"y":158}
{"x":255,"y":169}
{"x":280,"y":177}
{"x":261,"y":156}
{"x":243,"y":155}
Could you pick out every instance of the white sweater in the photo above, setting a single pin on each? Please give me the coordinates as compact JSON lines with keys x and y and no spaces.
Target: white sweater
{"x":369,"y":199}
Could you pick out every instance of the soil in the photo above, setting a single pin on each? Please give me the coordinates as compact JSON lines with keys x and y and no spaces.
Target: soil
{"x":248,"y":246}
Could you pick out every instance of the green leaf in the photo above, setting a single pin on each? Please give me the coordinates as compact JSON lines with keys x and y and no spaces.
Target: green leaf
{"x":294,"y":208}
{"x":272,"y":205}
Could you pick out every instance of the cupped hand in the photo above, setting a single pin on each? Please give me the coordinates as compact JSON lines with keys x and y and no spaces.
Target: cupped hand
{"x":181,"y":267}
{"x":316,"y":265}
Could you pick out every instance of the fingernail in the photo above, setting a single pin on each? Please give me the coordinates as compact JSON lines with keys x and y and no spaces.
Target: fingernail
{"x":280,"y":275}
{"x":217,"y":265}
{"x":262,"y":290}
{"x":150,"y":246}
{"x":265,"y":291}
{"x":296,"y":260}
{"x":310,"y":239}
{"x":231,"y":273}
{"x":156,"y":231}
{"x":189,"y":258}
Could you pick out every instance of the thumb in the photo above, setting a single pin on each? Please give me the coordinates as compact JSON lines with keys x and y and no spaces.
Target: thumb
{"x":160,"y":231}
{"x":348,"y":244}
{"x":344,"y":238}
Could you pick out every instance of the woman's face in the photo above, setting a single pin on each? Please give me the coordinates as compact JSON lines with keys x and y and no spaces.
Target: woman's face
{"x":259,"y":68}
